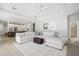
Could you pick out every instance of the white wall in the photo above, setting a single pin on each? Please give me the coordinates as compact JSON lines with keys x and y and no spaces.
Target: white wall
{"x":3,"y":27}
{"x":74,"y":18}
{"x":60,"y":23}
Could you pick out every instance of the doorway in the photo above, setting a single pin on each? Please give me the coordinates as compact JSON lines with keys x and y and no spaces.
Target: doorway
{"x":73,"y":27}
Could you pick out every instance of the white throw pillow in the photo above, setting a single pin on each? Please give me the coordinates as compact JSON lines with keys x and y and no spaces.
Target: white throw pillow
{"x":61,"y":36}
{"x":56,"y":34}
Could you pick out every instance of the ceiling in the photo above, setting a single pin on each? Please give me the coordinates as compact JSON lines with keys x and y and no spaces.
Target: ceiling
{"x":29,"y":10}
{"x":32,"y":9}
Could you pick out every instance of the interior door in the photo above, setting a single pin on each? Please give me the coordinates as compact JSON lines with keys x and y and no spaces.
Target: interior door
{"x":78,"y":30}
{"x":1,"y":28}
{"x":73,"y":30}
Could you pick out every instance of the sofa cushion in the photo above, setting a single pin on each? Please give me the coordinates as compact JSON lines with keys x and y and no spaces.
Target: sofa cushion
{"x":54,"y":40}
{"x":51,"y":34}
{"x":29,"y":33}
{"x":20,"y":34}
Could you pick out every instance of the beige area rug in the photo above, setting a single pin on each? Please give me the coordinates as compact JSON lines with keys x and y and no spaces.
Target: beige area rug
{"x":33,"y":49}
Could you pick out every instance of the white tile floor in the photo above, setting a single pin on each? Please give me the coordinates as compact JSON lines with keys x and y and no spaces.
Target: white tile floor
{"x":33,"y":49}
{"x":7,"y":48}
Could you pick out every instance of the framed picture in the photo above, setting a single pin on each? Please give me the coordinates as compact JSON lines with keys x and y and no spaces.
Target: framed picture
{"x":45,"y":26}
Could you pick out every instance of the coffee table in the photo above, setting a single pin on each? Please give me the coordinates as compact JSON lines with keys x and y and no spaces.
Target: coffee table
{"x":38,"y":40}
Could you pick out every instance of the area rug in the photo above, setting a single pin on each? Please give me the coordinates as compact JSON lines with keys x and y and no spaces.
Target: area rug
{"x":33,"y":49}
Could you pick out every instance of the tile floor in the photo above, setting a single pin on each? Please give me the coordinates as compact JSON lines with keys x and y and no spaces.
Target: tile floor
{"x":7,"y":48}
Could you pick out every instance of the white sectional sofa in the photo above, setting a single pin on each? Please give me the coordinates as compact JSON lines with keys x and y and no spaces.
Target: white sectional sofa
{"x":24,"y":37}
{"x":52,"y":39}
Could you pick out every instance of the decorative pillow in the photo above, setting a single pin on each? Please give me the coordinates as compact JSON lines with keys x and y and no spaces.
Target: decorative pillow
{"x":56,"y":34}
{"x":61,"y":36}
